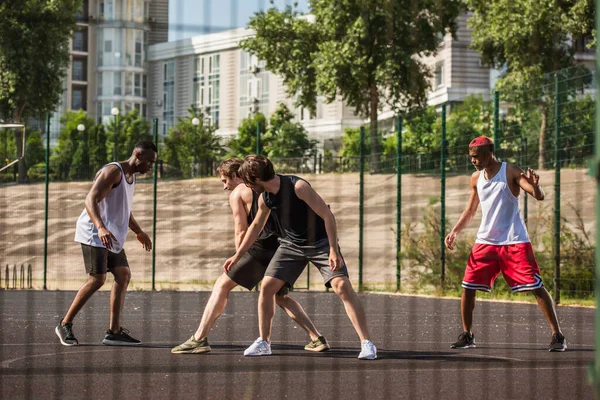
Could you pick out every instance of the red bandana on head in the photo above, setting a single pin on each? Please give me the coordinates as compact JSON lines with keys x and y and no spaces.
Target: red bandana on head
{"x":481,"y":141}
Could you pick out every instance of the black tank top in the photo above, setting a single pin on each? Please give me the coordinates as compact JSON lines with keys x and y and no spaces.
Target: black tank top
{"x":268,"y":236}
{"x":297,"y":222}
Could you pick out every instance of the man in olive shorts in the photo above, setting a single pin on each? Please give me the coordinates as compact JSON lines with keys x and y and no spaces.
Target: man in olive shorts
{"x":249,"y":271}
{"x":101,"y":229}
{"x":307,"y":232}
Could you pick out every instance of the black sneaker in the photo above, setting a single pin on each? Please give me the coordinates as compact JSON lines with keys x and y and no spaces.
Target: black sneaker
{"x":65,"y":334}
{"x":120,"y":338}
{"x":466,"y":340}
{"x":558,"y":343}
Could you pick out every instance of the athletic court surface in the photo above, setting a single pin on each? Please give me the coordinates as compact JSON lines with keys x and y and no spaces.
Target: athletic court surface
{"x":413,"y":336}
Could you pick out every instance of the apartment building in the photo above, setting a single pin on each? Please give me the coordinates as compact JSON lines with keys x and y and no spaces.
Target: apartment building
{"x":211,"y":73}
{"x":108,"y":66}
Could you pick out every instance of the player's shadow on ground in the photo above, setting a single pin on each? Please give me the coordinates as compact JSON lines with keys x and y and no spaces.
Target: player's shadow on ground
{"x":570,"y":349}
{"x":383,"y":354}
{"x":133,"y":346}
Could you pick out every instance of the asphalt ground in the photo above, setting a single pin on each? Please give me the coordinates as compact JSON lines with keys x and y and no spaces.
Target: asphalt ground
{"x":413,"y":336}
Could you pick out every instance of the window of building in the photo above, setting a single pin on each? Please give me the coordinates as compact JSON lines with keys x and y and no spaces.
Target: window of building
{"x":79,"y":41}
{"x":439,"y":75}
{"x":77,"y":99}
{"x":78,"y":70}
{"x":168,"y":95}
{"x":117,"y":81}
{"x":137,"y":85}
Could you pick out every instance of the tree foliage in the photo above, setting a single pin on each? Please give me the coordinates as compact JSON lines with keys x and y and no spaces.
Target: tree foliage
{"x":528,"y":40}
{"x":124,"y":131}
{"x":188,"y":146}
{"x":361,"y":51}
{"x":34,"y":56}
{"x":285,"y":137}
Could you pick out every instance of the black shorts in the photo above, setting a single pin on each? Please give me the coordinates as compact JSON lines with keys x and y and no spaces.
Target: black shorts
{"x":98,"y":260}
{"x":290,"y":260}
{"x":251,"y":269}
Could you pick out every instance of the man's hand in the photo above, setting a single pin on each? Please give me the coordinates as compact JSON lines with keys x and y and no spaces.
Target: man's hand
{"x":449,"y":241}
{"x":531,"y":177}
{"x":144,"y":239}
{"x":335,"y":260}
{"x":106,"y":237}
{"x":230,"y":262}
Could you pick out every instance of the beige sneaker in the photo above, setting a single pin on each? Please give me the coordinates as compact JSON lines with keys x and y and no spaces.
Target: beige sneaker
{"x":192,"y":346}
{"x":318,"y":345}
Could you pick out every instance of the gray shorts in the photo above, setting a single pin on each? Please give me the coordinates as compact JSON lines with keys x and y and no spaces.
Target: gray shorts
{"x":98,"y":260}
{"x":251,"y":269}
{"x":290,"y":259}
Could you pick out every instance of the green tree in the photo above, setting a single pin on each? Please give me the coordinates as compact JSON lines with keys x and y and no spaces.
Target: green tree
{"x":34,"y":56}
{"x":244,"y":142}
{"x":71,"y":158}
{"x":530,"y":39}
{"x":285,"y":138}
{"x":188,"y":146}
{"x":35,"y":151}
{"x":361,"y":51}
{"x":126,"y":130}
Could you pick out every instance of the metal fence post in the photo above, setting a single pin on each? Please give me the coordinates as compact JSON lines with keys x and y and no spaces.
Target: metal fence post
{"x":443,"y":199}
{"x":496,"y":121}
{"x":47,"y":183}
{"x":398,"y":202}
{"x":155,"y":132}
{"x":361,"y":202}
{"x":595,"y":171}
{"x":557,"y":110}
{"x":524,"y":164}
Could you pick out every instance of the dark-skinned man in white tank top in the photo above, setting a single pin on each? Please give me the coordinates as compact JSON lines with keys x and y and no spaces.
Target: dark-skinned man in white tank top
{"x":502,"y":243}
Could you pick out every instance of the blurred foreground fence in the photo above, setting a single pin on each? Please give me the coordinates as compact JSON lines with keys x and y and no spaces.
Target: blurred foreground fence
{"x":391,"y":226}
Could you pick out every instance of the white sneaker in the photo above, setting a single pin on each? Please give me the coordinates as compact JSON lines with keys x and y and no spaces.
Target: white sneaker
{"x":368,"y":350}
{"x":258,"y":348}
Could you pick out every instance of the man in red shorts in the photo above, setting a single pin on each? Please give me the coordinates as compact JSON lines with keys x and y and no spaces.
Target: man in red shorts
{"x":502,"y":243}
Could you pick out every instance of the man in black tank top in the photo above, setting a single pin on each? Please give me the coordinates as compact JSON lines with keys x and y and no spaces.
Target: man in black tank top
{"x":250,"y":269}
{"x":307,"y":232}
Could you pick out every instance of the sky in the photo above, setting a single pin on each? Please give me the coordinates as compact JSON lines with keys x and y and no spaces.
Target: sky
{"x":189,"y":18}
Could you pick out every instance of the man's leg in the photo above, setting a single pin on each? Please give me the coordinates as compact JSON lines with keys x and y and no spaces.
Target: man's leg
{"x":266,"y":305}
{"x":296,"y":312}
{"x":117,"y":296}
{"x":467,"y":305}
{"x":215,"y":306}
{"x":546,"y":303}
{"x":343,"y":288}
{"x":94,"y":282}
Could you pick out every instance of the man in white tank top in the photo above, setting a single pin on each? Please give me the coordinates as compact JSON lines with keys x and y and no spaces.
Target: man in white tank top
{"x":502,"y":243}
{"x":101,"y":230}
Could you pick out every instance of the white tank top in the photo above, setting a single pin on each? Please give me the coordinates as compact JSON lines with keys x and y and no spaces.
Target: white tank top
{"x":501,"y":221}
{"x":115,"y":210}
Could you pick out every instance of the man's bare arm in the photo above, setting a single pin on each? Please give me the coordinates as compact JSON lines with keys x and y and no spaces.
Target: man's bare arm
{"x":141,"y":236}
{"x":529,"y":182}
{"x":306,"y":193}
{"x":106,"y":179}
{"x":252,"y":233}
{"x":467,"y":215}
{"x":240,"y":217}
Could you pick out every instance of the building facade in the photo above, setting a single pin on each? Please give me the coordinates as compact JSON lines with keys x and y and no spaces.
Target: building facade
{"x":212,"y":74}
{"x":108,"y":66}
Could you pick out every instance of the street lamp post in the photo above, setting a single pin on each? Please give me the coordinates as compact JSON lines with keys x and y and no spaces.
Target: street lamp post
{"x":195,"y":122}
{"x":81,"y":129}
{"x":115,"y":113}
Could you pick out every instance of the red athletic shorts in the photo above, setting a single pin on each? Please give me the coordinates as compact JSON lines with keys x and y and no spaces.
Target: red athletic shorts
{"x":516,"y":262}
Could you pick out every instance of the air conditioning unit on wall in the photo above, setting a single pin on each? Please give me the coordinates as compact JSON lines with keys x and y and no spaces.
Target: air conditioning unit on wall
{"x":253,"y":69}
